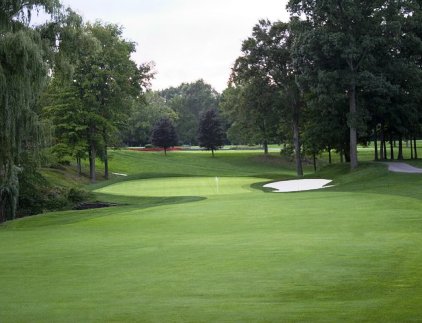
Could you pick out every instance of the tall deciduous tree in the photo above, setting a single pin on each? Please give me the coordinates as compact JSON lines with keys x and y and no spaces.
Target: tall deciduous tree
{"x":117,"y":81}
{"x":345,"y":38}
{"x":210,"y":132}
{"x":94,"y":63}
{"x":267,"y":57}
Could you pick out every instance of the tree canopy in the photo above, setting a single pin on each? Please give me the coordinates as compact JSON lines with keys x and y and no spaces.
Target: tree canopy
{"x":338,"y":51}
{"x":266,"y":63}
{"x":189,"y":101}
{"x":210,"y":132}
{"x":164,"y":134}
{"x":104,"y":83}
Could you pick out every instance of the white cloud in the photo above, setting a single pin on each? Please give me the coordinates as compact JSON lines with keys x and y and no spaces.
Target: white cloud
{"x":187,"y":39}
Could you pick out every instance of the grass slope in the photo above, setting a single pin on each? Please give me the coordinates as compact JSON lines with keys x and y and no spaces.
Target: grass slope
{"x":352,"y":252}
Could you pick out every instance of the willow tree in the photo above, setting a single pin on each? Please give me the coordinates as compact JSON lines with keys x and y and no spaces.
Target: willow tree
{"x":22,"y":73}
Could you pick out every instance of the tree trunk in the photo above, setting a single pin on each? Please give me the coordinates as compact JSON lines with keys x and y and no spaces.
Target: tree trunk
{"x":400,"y":154}
{"x":347,"y":155}
{"x":346,"y":152}
{"x":353,"y":131}
{"x":105,"y":163}
{"x":296,"y":140}
{"x":341,"y":156}
{"x":329,"y":156}
{"x":79,"y":166}
{"x":411,"y":148}
{"x":415,"y":148}
{"x":265,"y":144}
{"x":314,"y":160}
{"x":376,"y":145}
{"x":391,"y":148}
{"x":90,"y":161}
{"x":92,"y":157}
{"x":385,"y":149}
{"x":212,"y":151}
{"x":382,"y":144}
{"x":2,"y":212}
{"x":165,"y":151}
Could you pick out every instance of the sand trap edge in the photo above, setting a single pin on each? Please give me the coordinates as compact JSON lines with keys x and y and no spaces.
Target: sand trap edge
{"x":298,"y":185}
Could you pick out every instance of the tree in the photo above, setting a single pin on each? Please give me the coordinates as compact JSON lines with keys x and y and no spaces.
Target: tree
{"x":117,"y":81}
{"x":93,"y":62}
{"x":164,"y":134}
{"x":189,"y":101}
{"x":210,"y":132}
{"x":345,"y":39}
{"x":252,"y":109}
{"x":63,"y":108}
{"x":144,"y":115}
{"x":267,"y":58}
{"x":23,"y":72}
{"x":241,"y":129}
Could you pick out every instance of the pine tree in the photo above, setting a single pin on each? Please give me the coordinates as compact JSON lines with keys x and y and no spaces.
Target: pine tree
{"x":210,"y":132}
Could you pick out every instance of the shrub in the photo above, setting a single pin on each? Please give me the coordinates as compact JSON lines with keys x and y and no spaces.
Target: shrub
{"x":76,"y":195}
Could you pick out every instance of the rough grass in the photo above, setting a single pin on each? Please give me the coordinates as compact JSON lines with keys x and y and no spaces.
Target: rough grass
{"x":351,"y":253}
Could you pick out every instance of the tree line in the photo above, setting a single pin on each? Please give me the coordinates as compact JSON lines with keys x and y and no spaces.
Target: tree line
{"x":66,"y":85}
{"x":337,"y":74}
{"x":69,"y":90}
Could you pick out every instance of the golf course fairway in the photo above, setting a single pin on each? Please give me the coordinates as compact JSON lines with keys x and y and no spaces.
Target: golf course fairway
{"x":179,"y":249}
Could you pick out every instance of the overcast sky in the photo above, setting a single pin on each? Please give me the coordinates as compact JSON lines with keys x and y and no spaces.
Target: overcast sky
{"x":187,"y":39}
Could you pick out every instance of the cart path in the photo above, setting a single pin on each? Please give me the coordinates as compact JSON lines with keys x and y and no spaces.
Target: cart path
{"x":403,"y":168}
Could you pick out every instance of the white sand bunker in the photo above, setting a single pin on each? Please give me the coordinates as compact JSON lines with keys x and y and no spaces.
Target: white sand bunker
{"x":119,"y":174}
{"x":298,"y":185}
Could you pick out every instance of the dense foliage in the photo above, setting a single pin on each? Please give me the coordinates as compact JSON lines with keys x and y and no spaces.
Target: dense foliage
{"x":344,"y":72}
{"x":90,"y":104}
{"x":164,"y":134}
{"x":266,"y":67}
{"x":189,"y":101}
{"x":210,"y":132}
{"x":23,"y":73}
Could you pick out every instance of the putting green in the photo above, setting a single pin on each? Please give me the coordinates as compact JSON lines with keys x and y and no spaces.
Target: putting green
{"x":183,"y":186}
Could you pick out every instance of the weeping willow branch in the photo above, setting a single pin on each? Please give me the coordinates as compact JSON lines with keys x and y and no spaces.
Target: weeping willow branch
{"x":23,"y":72}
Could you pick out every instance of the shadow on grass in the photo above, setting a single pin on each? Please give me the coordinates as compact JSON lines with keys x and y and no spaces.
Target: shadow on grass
{"x":260,"y":186}
{"x":369,"y":177}
{"x":126,"y":203}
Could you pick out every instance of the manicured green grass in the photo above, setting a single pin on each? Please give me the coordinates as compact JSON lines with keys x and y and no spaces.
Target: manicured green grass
{"x":183,"y":186}
{"x":199,"y":163}
{"x":191,"y":253}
